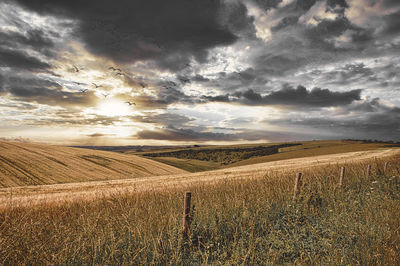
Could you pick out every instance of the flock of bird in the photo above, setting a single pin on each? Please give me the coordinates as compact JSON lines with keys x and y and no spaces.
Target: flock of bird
{"x":117,"y":71}
{"x":168,"y":84}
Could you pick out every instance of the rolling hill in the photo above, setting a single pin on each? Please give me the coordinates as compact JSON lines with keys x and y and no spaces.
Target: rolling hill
{"x":38,"y":164}
{"x":215,"y":157}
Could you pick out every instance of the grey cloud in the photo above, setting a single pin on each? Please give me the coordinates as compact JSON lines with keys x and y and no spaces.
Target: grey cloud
{"x":21,"y":60}
{"x":267,"y":4}
{"x":68,"y":118}
{"x":200,"y":78}
{"x":289,"y":96}
{"x":180,"y":134}
{"x":174,"y":134}
{"x":279,"y":65}
{"x":99,"y":135}
{"x":392,"y":23}
{"x":2,"y":87}
{"x":34,"y":38}
{"x":166,"y":119}
{"x":219,"y":98}
{"x":43,"y":91}
{"x":169,"y":32}
{"x":348,"y":74}
{"x":161,"y":98}
{"x":285,"y":22}
{"x":366,"y":120}
{"x":335,"y":3}
{"x":390,"y":3}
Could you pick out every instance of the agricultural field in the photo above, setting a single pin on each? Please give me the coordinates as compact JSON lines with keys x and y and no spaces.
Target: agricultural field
{"x":24,"y":164}
{"x":247,"y":216}
{"x":194,"y":159}
{"x":239,"y":215}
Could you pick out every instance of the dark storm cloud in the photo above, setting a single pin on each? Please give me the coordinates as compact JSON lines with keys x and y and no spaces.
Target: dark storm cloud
{"x":2,"y":88}
{"x":34,"y":38}
{"x":392,"y":23}
{"x":200,"y":78}
{"x":267,"y":4}
{"x":21,"y":60}
{"x":334,"y":3}
{"x":290,"y":96}
{"x":170,"y":32}
{"x":219,"y":98}
{"x":234,"y":80}
{"x":43,"y":91}
{"x":321,"y":34}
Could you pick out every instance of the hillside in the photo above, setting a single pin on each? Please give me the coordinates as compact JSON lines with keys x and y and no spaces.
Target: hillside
{"x":243,"y":215}
{"x":37,"y":164}
{"x":315,"y":148}
{"x":92,"y":190}
{"x":214,"y":157}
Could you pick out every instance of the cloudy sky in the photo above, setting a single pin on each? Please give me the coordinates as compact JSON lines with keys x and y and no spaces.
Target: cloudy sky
{"x":199,"y":71}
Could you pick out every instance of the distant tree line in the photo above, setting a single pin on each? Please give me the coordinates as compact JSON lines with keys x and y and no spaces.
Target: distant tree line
{"x":374,"y":141}
{"x":223,"y":156}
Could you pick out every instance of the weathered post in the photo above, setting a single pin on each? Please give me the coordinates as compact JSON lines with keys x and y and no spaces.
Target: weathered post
{"x":297,"y":185}
{"x":342,"y":173}
{"x":385,"y":167}
{"x":186,"y":211}
{"x":368,"y":170}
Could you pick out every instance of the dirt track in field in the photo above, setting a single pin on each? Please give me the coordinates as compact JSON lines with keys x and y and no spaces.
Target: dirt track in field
{"x":59,"y":193}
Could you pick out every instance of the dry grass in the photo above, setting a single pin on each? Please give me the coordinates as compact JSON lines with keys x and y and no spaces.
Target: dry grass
{"x":232,"y":159}
{"x":24,"y":164}
{"x":189,"y":165}
{"x":315,"y":148}
{"x":95,"y":189}
{"x":252,"y":221}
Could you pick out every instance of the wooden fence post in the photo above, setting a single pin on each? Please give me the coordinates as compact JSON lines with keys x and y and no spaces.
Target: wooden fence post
{"x":297,"y":185}
{"x":368,"y":170}
{"x":186,"y":211}
{"x":385,"y":167}
{"x":342,"y":172}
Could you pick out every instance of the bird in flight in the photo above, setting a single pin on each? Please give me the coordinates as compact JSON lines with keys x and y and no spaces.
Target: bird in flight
{"x":115,"y":69}
{"x":83,"y":91}
{"x":131,"y":103}
{"x":105,"y":95}
{"x":96,"y":86}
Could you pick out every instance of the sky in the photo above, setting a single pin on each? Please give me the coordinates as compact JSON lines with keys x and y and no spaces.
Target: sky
{"x":156,"y":72}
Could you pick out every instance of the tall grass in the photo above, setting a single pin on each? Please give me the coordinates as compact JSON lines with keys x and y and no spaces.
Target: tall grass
{"x":232,"y":222}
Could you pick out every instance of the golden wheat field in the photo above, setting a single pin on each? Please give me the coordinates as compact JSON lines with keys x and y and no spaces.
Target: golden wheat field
{"x":241,"y":215}
{"x":89,"y":190}
{"x":24,"y":164}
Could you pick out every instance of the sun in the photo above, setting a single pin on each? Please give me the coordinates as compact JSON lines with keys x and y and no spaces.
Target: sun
{"x":111,"y":107}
